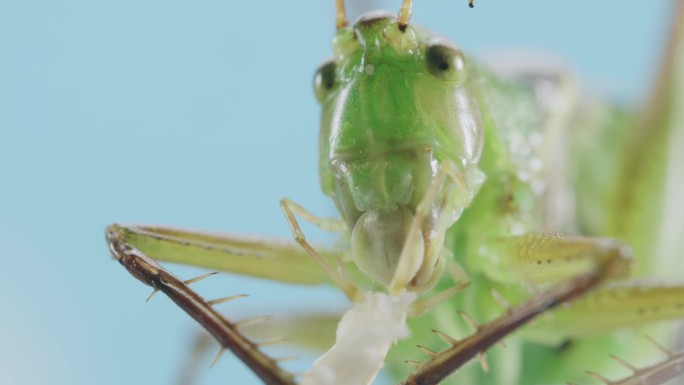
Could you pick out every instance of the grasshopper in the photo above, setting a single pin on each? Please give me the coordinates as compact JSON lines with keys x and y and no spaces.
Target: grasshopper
{"x":468,"y":192}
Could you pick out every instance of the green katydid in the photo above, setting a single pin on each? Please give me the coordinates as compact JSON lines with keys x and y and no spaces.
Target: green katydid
{"x":459,"y":186}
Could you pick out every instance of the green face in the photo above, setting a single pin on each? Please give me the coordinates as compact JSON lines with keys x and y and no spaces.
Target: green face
{"x":396,"y":104}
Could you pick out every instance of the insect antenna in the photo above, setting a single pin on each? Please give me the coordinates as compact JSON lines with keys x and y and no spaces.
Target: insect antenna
{"x":341,"y":18}
{"x":404,"y":14}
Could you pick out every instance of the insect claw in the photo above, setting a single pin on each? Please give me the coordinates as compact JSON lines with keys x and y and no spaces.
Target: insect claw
{"x":252,"y":321}
{"x":201,"y":277}
{"x":624,"y":363}
{"x":413,"y":363}
{"x":445,"y":337}
{"x":469,"y":320}
{"x":155,"y":291}
{"x":218,"y":355}
{"x":599,"y":377}
{"x":427,"y":350}
{"x":225,"y":299}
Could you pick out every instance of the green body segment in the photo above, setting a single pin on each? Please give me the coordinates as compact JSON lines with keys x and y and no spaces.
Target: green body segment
{"x":396,"y":106}
{"x":553,"y":163}
{"x":384,"y":107}
{"x":528,"y":161}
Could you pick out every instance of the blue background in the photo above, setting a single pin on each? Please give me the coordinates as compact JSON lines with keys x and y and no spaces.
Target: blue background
{"x":199,"y":114}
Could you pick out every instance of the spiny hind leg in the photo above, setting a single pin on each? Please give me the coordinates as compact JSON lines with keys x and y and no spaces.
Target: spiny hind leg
{"x":613,"y":306}
{"x":564,"y":363}
{"x":227,"y":333}
{"x":628,"y":358}
{"x":444,"y":363}
{"x":540,"y":258}
{"x":544,"y":258}
{"x":588,"y":325}
{"x":597,"y":261}
{"x":605,"y":322}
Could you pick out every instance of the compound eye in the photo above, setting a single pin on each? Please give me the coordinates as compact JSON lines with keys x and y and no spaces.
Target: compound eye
{"x":444,"y":61}
{"x":324,"y":80}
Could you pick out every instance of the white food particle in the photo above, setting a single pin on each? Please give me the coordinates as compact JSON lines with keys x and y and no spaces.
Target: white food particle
{"x":364,"y":335}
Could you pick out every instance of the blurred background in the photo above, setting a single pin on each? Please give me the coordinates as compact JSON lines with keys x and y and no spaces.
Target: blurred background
{"x":201,"y":115}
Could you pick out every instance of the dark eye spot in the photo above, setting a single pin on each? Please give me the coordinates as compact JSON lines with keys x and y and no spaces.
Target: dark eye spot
{"x":444,"y":61}
{"x":324,"y":80}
